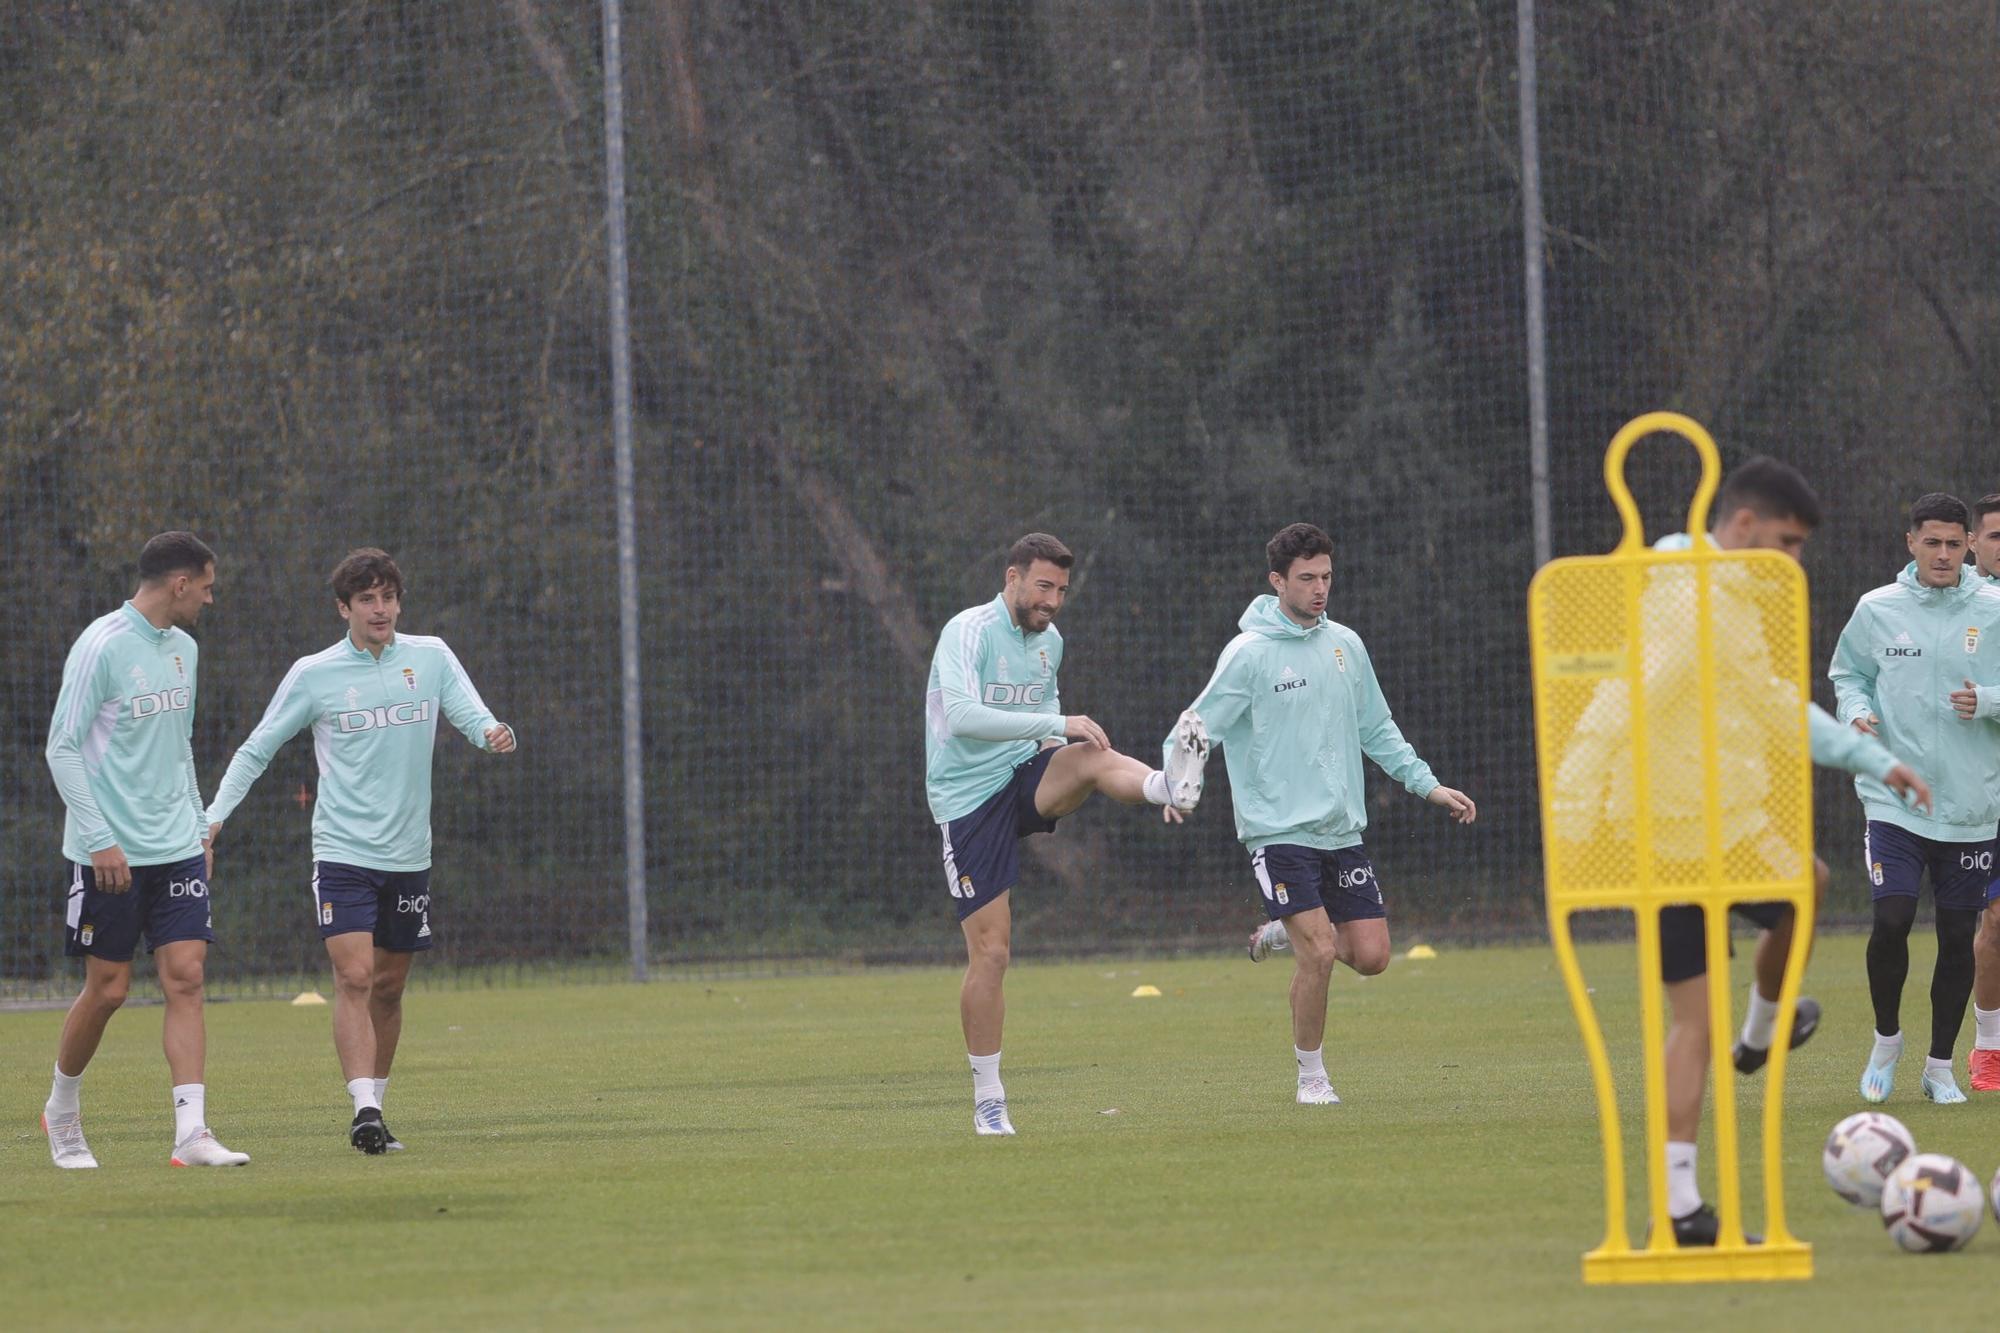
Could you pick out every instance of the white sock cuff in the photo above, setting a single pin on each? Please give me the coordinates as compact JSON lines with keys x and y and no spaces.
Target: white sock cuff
{"x":66,"y":1080}
{"x":1311,"y":1062}
{"x":1155,"y":787}
{"x":1932,"y":1062}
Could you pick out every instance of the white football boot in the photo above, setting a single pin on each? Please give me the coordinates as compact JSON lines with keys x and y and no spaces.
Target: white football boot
{"x":201,"y":1149}
{"x":990,"y":1117}
{"x":66,"y":1143}
{"x":1267,"y":939}
{"x":1314,"y":1090}
{"x":1185,"y":764}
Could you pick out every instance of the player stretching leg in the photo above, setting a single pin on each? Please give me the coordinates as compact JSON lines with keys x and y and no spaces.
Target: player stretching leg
{"x":120,"y":750}
{"x":373,"y":702}
{"x":1294,"y":704}
{"x":1915,"y":665}
{"x":1762,"y":505}
{"x":997,"y":770}
{"x":1985,"y":1063}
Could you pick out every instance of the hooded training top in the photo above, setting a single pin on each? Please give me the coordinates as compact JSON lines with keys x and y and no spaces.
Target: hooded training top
{"x":374,"y":724}
{"x":120,"y":742}
{"x":1294,"y":708}
{"x":1905,"y":650}
{"x":991,"y":701}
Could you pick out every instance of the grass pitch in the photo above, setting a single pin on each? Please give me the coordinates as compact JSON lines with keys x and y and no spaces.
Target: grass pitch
{"x":798,"y":1152}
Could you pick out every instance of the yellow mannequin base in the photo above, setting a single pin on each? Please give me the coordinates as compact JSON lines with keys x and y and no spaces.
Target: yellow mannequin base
{"x":1747,"y":1263}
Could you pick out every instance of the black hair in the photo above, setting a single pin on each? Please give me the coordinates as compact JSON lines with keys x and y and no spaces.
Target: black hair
{"x":368,"y":567}
{"x":174,"y":553}
{"x":1768,"y":489}
{"x":1298,"y":541}
{"x":1937,"y":507}
{"x":1039,"y":546}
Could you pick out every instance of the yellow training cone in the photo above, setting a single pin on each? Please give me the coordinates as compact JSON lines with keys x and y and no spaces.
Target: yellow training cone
{"x":1421,"y":952}
{"x":1145,"y":992}
{"x":305,"y":997}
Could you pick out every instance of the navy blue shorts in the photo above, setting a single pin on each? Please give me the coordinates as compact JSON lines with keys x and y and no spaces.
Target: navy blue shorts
{"x":1684,"y":941}
{"x":169,"y":903}
{"x":981,"y":860}
{"x":1993,"y":887}
{"x":1898,"y":860}
{"x":1296,"y":879}
{"x":392,"y":905}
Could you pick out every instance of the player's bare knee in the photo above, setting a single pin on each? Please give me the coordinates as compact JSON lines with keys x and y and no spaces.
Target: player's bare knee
{"x":386,"y":993}
{"x":108,"y":992}
{"x":356,"y":979}
{"x":181,"y":982}
{"x":1370,"y":962}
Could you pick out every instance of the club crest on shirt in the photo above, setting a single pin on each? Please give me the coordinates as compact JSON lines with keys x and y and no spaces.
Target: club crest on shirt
{"x":410,"y":679}
{"x":1046,"y":668}
{"x":180,"y":668}
{"x":1972,"y":638}
{"x":1340,"y":660}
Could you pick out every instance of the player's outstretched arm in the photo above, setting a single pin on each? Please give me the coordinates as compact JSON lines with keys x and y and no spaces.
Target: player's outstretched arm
{"x":288,"y":713}
{"x":85,"y":690}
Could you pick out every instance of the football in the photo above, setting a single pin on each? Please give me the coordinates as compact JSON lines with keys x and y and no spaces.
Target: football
{"x":1861,"y":1152}
{"x":1932,"y":1203}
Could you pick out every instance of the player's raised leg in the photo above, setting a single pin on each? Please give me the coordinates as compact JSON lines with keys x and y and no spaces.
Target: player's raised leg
{"x":1774,"y":944}
{"x":982,"y":1009}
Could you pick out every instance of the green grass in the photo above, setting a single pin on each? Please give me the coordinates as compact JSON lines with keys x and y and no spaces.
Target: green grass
{"x":798,"y":1152}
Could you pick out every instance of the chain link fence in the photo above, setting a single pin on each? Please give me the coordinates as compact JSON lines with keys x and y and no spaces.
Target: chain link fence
{"x":907,"y":281}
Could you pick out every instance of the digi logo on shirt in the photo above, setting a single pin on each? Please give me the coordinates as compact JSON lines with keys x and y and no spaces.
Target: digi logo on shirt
{"x":160,"y":701}
{"x":370,"y":719}
{"x":1016,"y":694}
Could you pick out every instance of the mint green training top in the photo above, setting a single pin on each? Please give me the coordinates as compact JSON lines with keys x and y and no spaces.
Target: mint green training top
{"x":1906,"y":648}
{"x":374,"y":724}
{"x":1294,"y":708}
{"x":991,"y":701}
{"x":120,"y":742}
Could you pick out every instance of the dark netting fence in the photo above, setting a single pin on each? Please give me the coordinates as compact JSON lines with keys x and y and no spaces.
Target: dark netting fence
{"x":907,"y":281}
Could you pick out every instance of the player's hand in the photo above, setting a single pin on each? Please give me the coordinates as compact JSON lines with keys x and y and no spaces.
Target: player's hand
{"x":1171,"y":815}
{"x":1081,"y":728}
{"x":111,"y":871}
{"x":1866,"y":725}
{"x":208,"y":853}
{"x":1966,"y":701}
{"x":1461,"y":806}
{"x":500,"y":738}
{"x":1903,"y":780}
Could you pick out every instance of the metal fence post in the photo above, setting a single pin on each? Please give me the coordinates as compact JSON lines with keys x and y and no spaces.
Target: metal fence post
{"x":1531,"y":242}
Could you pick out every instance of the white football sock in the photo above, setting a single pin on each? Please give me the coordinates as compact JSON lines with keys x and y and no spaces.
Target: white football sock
{"x":1759,"y":1021}
{"x":63,"y":1095}
{"x":986,"y":1077}
{"x":1311,"y":1063}
{"x":1932,"y":1062}
{"x":381,"y":1091}
{"x":1887,"y":1050}
{"x":1987,"y":1023}
{"x":190,"y":1110}
{"x":1156,"y":787}
{"x":362,"y":1090}
{"x":1683,"y":1194}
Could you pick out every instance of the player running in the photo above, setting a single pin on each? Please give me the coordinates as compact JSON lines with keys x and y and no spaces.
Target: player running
{"x":997,"y":770}
{"x":1762,"y":505}
{"x":120,"y":747}
{"x":1294,"y":704}
{"x":1910,"y":667}
{"x":373,"y":702}
{"x":1985,"y":1061}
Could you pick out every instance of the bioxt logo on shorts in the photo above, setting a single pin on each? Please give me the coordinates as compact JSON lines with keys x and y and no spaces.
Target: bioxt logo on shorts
{"x":371,"y":719}
{"x":160,"y":701}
